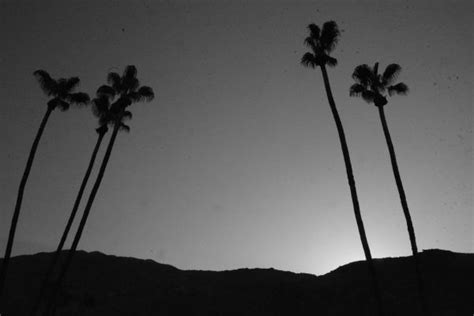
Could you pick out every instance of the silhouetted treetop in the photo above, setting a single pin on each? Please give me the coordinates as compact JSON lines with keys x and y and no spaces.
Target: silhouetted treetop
{"x":329,"y":36}
{"x":127,"y":87}
{"x":371,"y":86}
{"x":321,"y":42}
{"x":62,"y":91}
{"x":125,"y":90}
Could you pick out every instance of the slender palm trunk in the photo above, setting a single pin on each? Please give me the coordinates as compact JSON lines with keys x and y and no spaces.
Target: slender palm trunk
{"x":56,"y":255}
{"x":406,"y":211}
{"x":16,"y":214}
{"x":82,"y":224}
{"x":355,"y":200}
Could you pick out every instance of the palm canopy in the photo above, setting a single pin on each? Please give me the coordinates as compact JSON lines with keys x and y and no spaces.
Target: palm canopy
{"x":322,"y":42}
{"x":126,"y":86}
{"x":109,"y":113}
{"x":61,"y":90}
{"x":371,"y":85}
{"x":127,"y":89}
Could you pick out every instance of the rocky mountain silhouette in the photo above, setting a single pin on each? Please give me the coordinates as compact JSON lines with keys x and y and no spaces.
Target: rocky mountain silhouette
{"x":100,"y":284}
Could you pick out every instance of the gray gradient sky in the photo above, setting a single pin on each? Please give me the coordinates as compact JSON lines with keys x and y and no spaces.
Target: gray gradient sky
{"x":237,"y":162}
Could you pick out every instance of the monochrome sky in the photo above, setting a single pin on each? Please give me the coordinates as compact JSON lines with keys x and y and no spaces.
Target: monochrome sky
{"x":237,"y":162}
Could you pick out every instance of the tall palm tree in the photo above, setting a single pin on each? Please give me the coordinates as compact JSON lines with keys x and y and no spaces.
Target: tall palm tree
{"x":127,"y":89}
{"x":322,"y":42}
{"x":62,"y":96}
{"x":100,"y":109}
{"x":372,"y":86}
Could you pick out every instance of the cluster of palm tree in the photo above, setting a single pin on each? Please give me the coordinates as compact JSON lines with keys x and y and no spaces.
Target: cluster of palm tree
{"x":110,"y":107}
{"x":372,"y":86}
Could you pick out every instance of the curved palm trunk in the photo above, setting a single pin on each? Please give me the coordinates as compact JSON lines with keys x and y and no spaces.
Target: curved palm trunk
{"x":69,"y":223}
{"x":406,"y":212}
{"x":82,"y":224}
{"x":355,"y":200}
{"x":16,"y":214}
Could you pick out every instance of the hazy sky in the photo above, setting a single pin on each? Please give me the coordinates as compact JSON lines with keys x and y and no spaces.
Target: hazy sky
{"x":237,"y":162}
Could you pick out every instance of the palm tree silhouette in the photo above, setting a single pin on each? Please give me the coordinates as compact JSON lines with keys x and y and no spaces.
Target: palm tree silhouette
{"x":100,"y":109}
{"x":62,"y":96}
{"x":127,"y":89}
{"x":322,"y":42}
{"x":371,"y":86}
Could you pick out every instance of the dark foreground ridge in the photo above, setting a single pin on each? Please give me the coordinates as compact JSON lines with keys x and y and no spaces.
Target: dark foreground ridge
{"x":104,"y":285}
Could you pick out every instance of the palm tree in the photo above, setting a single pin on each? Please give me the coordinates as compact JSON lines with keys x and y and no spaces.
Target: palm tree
{"x":372,"y":87}
{"x":321,"y":43}
{"x":100,"y":109}
{"x":127,"y":89}
{"x":62,"y":96}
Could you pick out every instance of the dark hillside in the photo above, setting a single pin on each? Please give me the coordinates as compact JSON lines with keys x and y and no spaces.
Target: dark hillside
{"x":107,"y":285}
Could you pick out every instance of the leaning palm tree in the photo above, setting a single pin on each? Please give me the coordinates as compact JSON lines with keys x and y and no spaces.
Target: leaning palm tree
{"x":322,"y":42}
{"x":62,"y":96}
{"x":372,"y":86}
{"x":100,"y":109}
{"x":127,"y":89}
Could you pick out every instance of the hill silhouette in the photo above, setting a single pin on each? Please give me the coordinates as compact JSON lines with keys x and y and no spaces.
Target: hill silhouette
{"x":100,"y":284}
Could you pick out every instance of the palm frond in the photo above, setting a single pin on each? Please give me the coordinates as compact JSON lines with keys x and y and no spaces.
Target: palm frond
{"x":127,"y":115}
{"x":114,"y":80}
{"x":78,"y":98}
{"x":310,"y":42}
{"x":120,"y":104}
{"x":130,"y":72}
{"x":47,"y":84}
{"x":362,"y":74}
{"x":399,"y":88}
{"x":356,"y":90}
{"x":100,"y":106}
{"x":390,"y":74}
{"x":130,"y":84}
{"x":71,"y":83}
{"x":146,"y":94}
{"x":330,"y":61}
{"x":309,"y":60}
{"x":329,"y":36}
{"x":61,"y":90}
{"x":314,"y":31}
{"x":134,"y":96}
{"x":106,"y":91}
{"x":62,"y":105}
{"x":125,"y":128}
{"x":105,"y":120}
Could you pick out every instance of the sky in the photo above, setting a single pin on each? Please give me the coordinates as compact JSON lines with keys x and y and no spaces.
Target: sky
{"x":237,"y":161}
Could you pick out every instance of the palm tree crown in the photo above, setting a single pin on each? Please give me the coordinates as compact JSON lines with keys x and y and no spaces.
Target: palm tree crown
{"x":61,"y":91}
{"x":128,"y":90}
{"x":321,"y":42}
{"x":371,"y":85}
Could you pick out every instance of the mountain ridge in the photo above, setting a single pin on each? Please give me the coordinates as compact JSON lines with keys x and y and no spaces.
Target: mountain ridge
{"x":101,"y":284}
